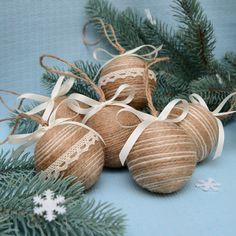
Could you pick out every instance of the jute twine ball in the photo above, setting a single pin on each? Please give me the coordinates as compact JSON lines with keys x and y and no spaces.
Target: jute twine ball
{"x":115,"y":136}
{"x":163,"y":158}
{"x":71,"y":142}
{"x":202,"y":126}
{"x":126,"y":70}
{"x":63,"y":110}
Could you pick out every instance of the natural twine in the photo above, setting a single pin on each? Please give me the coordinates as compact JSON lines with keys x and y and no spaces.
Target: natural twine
{"x":83,"y":77}
{"x":20,"y":116}
{"x":148,"y":92}
{"x":112,"y":39}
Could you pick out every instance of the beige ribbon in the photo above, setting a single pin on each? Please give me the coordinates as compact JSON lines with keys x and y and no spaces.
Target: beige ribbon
{"x":148,"y":120}
{"x":48,"y":103}
{"x":96,"y":106}
{"x":134,"y":52}
{"x":31,"y":138}
{"x":197,"y":99}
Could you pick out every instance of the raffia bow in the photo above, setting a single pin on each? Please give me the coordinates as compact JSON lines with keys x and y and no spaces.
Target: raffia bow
{"x":197,"y":99}
{"x":48,"y":103}
{"x":96,"y":106}
{"x":148,"y":120}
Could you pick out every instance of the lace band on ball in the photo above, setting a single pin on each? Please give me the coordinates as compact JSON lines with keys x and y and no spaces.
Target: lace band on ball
{"x":73,"y":154}
{"x":122,"y":74}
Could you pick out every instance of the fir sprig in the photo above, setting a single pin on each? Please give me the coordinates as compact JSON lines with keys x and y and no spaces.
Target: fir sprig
{"x":83,"y":216}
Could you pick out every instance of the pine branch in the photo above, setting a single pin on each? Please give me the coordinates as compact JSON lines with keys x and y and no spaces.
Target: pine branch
{"x":168,"y":88}
{"x":131,"y":35}
{"x":82,"y":217}
{"x":49,"y":79}
{"x":14,"y":165}
{"x":25,"y":125}
{"x":213,"y":90}
{"x":196,"y":34}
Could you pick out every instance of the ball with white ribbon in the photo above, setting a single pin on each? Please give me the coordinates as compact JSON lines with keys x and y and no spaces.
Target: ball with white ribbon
{"x":66,"y":147}
{"x":204,"y":126}
{"x":101,"y":116}
{"x":160,"y":156}
{"x":127,"y":68}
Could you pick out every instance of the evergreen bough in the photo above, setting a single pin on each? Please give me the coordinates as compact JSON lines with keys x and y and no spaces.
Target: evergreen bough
{"x":19,"y":183}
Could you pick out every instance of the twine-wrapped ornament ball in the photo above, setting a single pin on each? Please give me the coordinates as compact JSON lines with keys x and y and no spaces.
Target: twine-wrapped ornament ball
{"x":205,"y":126}
{"x":71,"y":150}
{"x":64,"y":147}
{"x":202,"y":126}
{"x":101,"y":114}
{"x":126,"y":68}
{"x":160,"y":156}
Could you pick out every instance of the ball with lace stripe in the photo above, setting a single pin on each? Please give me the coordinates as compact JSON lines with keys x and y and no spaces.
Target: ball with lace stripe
{"x":202,"y":126}
{"x":163,"y":158}
{"x":69,"y":149}
{"x":126,"y":70}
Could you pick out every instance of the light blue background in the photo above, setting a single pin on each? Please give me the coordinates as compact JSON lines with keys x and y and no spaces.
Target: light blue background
{"x":29,"y":28}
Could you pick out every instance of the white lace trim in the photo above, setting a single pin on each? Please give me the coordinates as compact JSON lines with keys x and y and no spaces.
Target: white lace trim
{"x":72,"y":154}
{"x":121,"y":74}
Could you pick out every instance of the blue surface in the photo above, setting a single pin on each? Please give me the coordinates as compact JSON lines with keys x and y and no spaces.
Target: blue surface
{"x":29,"y":28}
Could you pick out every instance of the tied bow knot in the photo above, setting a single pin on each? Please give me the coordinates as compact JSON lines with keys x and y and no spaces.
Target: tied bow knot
{"x":48,"y":103}
{"x":96,"y":106}
{"x":147,"y":120}
{"x":197,"y":99}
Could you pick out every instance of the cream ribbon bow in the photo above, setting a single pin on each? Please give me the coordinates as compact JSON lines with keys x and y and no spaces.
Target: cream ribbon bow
{"x":96,"y":106}
{"x":148,"y":120}
{"x":48,"y":103}
{"x":31,"y":138}
{"x":197,"y":99}
{"x":134,"y":52}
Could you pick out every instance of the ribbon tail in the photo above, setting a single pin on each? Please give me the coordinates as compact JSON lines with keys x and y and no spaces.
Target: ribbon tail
{"x":221,"y":139}
{"x":132,"y":140}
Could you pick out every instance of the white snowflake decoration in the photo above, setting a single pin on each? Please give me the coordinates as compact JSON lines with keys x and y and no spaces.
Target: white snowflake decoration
{"x":207,"y":185}
{"x":49,"y":206}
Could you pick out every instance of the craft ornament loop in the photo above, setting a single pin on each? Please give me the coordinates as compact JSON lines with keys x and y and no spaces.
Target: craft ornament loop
{"x":96,"y":106}
{"x":133,"y":52}
{"x":148,"y":120}
{"x":31,"y":138}
{"x":48,"y":103}
{"x":197,"y":99}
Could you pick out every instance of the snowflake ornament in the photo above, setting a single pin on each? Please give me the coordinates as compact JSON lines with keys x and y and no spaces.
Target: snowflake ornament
{"x":207,"y":185}
{"x":49,"y":206}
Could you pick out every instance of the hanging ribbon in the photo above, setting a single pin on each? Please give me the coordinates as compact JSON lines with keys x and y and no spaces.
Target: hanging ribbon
{"x":197,"y":99}
{"x":133,"y":52}
{"x":48,"y":103}
{"x":96,"y":106}
{"x":148,"y":120}
{"x":31,"y":138}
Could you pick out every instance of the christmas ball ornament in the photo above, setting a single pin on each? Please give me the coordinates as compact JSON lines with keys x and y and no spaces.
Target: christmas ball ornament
{"x":201,"y":125}
{"x":160,"y":156}
{"x":64,"y":111}
{"x":163,"y":158}
{"x":69,"y":149}
{"x":126,"y":70}
{"x":106,"y":124}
